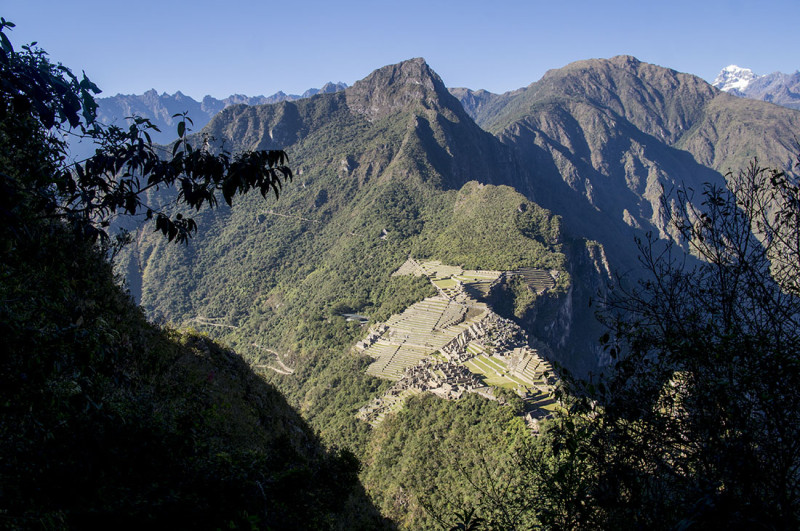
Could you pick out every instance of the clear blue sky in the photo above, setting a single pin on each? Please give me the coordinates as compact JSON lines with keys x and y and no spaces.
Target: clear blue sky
{"x":260,"y":47}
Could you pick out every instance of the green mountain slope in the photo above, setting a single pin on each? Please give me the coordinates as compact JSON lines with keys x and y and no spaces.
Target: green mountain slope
{"x":390,"y":168}
{"x":387,"y":169}
{"x":109,"y":421}
{"x":395,"y":167}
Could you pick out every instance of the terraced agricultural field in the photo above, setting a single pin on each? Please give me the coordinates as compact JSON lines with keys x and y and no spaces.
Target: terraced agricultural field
{"x":450,"y":280}
{"x":478,"y":283}
{"x":417,"y":333}
{"x":528,"y":376}
{"x":539,"y":280}
{"x":436,"y":269}
{"x":534,"y":370}
{"x":444,"y":283}
{"x":494,"y":372}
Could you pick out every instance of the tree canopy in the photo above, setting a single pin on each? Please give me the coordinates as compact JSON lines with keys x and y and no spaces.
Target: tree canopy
{"x":698,"y":420}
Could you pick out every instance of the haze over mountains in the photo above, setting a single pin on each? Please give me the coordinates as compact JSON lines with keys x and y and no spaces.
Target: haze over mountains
{"x":160,"y":109}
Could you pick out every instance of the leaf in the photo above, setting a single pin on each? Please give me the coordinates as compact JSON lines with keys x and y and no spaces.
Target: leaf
{"x":131,"y":201}
{"x":229,"y":189}
{"x":187,"y":189}
{"x":181,"y":129}
{"x":6,"y":43}
{"x":87,"y":84}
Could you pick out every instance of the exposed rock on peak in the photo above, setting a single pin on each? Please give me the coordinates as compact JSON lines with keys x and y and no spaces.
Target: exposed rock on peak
{"x":396,"y":87}
{"x":659,"y":101}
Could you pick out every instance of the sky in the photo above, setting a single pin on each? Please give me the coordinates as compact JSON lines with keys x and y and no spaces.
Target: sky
{"x":258,"y":48}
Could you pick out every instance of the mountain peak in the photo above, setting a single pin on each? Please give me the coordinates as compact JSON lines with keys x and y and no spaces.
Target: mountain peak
{"x":625,"y":60}
{"x":395,"y":87}
{"x":734,"y":79}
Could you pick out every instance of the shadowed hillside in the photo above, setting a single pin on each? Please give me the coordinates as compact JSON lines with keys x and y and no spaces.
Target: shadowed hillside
{"x":598,"y":139}
{"x":394,"y":167}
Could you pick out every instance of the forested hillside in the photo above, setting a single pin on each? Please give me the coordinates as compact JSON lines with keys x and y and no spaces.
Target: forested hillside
{"x":399,"y":330}
{"x":108,"y":420}
{"x":394,"y":178}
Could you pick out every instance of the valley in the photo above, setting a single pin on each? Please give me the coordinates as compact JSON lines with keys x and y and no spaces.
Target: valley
{"x":545,"y":307}
{"x":477,"y":241}
{"x":529,"y":268}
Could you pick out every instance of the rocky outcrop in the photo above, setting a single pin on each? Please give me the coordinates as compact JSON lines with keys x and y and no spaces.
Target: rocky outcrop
{"x":403,"y":86}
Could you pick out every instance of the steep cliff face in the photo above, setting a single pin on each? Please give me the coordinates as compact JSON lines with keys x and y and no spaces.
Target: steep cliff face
{"x":602,"y":142}
{"x":437,"y":125}
{"x":563,"y":321}
{"x":398,"y":87}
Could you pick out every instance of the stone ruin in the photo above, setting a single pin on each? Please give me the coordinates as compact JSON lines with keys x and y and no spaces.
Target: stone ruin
{"x":416,"y":352}
{"x":449,"y":378}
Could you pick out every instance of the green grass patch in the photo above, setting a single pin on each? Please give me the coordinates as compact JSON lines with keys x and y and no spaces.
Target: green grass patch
{"x":445,"y":283}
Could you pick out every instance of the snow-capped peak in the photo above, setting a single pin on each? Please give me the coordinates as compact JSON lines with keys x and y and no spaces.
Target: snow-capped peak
{"x":734,"y":78}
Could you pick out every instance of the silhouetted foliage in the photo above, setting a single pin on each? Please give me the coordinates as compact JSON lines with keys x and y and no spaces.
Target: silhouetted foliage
{"x":107,"y":420}
{"x":698,"y":421}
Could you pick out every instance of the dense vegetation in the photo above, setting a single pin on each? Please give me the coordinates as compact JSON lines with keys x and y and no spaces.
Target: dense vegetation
{"x":363,"y":202}
{"x":436,"y":457}
{"x":109,"y":421}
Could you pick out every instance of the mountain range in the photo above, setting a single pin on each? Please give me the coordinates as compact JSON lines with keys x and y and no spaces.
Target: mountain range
{"x":161,"y":108}
{"x":777,"y":87}
{"x":560,"y":177}
{"x":596,"y":143}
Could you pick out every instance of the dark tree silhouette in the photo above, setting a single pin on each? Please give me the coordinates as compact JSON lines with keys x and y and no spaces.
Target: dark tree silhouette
{"x":698,"y":421}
